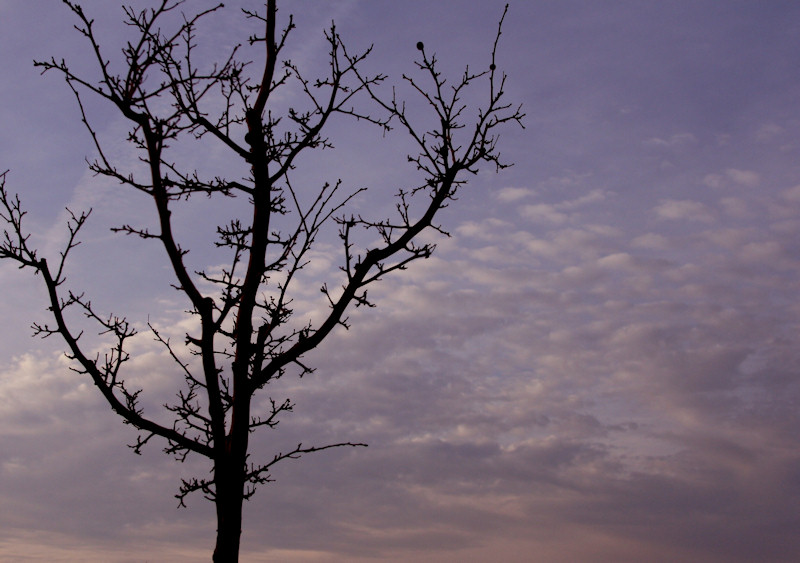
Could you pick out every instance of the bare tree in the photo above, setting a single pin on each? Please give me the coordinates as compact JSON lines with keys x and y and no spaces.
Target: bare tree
{"x":245,"y":339}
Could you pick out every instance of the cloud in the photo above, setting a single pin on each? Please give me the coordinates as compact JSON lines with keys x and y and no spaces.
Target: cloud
{"x":511,"y":194}
{"x":594,"y":196}
{"x":677,"y":140}
{"x":791,"y":195}
{"x":545,"y":213}
{"x":615,"y":261}
{"x":487,"y":229}
{"x":683,"y":210}
{"x":767,"y":251}
{"x":714,"y":180}
{"x":746,"y":178}
{"x":768,"y":132}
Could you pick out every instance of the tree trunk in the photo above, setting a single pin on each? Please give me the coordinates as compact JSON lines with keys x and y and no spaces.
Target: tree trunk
{"x":229,"y":484}
{"x":229,"y":477}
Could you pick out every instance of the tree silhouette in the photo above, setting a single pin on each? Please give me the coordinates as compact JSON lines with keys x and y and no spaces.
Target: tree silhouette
{"x":245,"y":339}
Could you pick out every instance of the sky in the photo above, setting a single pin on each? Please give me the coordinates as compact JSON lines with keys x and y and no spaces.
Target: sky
{"x":599,"y":364}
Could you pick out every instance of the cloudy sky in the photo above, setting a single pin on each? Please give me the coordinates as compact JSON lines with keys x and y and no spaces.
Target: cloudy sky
{"x":601,"y":363}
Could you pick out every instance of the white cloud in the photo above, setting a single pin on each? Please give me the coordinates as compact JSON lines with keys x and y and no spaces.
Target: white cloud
{"x":619,"y":260}
{"x":683,"y":210}
{"x":676,"y":140}
{"x":511,"y":194}
{"x":766,"y":251}
{"x":545,"y":213}
{"x":746,"y":178}
{"x":486,"y":229}
{"x":593,"y":196}
{"x":542,"y":248}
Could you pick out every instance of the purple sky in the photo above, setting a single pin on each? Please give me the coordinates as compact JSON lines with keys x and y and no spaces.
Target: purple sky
{"x":601,"y":364}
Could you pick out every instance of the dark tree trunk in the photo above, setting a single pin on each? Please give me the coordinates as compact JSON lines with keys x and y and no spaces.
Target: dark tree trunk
{"x":230,"y":475}
{"x":229,"y":483}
